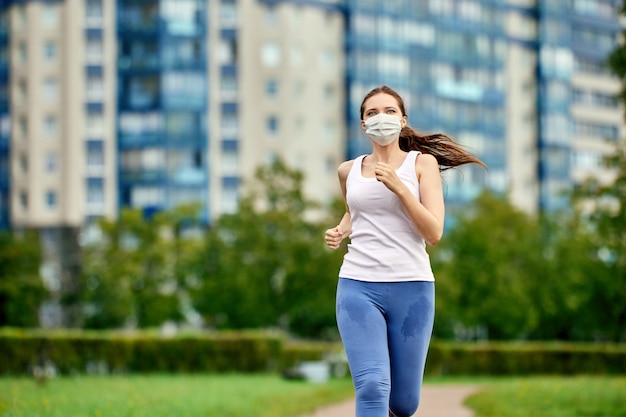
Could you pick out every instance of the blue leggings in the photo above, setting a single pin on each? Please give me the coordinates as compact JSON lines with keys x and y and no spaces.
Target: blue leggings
{"x":385,"y":329}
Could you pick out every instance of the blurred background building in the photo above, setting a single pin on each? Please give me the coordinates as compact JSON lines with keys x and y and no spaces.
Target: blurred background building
{"x":148,"y":104}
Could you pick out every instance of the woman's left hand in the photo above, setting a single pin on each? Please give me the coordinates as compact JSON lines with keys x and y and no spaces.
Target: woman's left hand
{"x":387,"y":175}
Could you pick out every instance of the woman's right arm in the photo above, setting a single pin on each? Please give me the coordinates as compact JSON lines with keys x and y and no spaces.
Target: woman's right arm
{"x":335,"y":235}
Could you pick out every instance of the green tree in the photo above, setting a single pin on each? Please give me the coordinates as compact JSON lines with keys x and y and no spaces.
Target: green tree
{"x":21,"y":287}
{"x":504,"y":274}
{"x":138,"y":272}
{"x":564,"y":295}
{"x":603,"y":206}
{"x":483,"y":266}
{"x":266,"y":265}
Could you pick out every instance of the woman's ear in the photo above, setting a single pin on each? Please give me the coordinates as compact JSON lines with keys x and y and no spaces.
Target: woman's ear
{"x":363,"y":125}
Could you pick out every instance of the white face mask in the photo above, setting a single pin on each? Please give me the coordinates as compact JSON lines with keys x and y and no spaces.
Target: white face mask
{"x":383,"y":128}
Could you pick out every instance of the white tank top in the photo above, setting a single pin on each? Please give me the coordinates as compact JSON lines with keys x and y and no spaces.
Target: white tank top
{"x":384,"y":245}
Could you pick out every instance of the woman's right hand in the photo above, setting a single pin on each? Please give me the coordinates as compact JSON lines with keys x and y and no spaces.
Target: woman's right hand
{"x":334,"y":237}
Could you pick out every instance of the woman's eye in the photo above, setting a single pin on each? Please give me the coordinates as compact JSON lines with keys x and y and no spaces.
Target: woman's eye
{"x":370,"y":113}
{"x":391,"y":111}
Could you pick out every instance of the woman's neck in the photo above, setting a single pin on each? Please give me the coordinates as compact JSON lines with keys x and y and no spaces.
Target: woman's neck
{"x":387,"y":154}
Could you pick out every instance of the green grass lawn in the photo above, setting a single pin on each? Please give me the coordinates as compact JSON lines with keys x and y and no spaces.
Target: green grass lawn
{"x":167,"y":396}
{"x":271,"y":396}
{"x":580,"y":396}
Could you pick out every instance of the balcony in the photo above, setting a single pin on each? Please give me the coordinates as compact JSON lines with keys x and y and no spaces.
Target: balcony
{"x":158,"y":176}
{"x":189,"y":177}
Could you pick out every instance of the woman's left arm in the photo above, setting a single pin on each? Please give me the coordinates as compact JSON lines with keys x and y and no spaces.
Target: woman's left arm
{"x":427,"y":213}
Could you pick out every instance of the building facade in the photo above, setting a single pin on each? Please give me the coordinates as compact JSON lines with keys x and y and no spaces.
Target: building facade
{"x":106,"y":104}
{"x":151,"y":104}
{"x":521,"y":82}
{"x":5,"y":119}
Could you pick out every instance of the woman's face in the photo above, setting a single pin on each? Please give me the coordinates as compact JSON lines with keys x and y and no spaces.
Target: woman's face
{"x":381,"y":103}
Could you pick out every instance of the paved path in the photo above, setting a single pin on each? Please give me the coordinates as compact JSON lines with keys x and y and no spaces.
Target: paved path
{"x":437,"y":401}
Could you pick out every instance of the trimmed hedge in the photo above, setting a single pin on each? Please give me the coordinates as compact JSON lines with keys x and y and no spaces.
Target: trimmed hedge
{"x":81,"y":351}
{"x":525,"y":358}
{"x":75,"y":351}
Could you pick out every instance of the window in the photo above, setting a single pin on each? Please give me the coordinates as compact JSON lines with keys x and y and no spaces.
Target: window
{"x":95,"y":87}
{"x":142,"y":91}
{"x":327,"y":59}
{"x":49,"y":50}
{"x":587,"y":160}
{"x":93,"y":12}
{"x":391,"y":64}
{"x":50,"y":89}
{"x":230,"y":197}
{"x":600,"y":40}
{"x":4,"y":54}
{"x":228,"y":13}
{"x":23,"y":126}
{"x":557,"y":61}
{"x":229,"y":87}
{"x":50,"y":15}
{"x":419,"y":33}
{"x":51,"y":199}
{"x":144,"y":159}
{"x":183,"y":89}
{"x":185,"y":195}
{"x":181,"y":16}
{"x":50,"y":162}
{"x":143,"y":196}
{"x":272,"y":125}
{"x":271,"y":88}
{"x":50,"y":126}
{"x":228,"y":52}
{"x":95,"y":50}
{"x":22,"y":52}
{"x":270,"y":54}
{"x":21,"y":17}
{"x":174,"y":52}
{"x":95,"y":125}
{"x":230,"y":162}
{"x":181,"y":124}
{"x":95,"y":154}
{"x":593,"y":98}
{"x":5,"y":125}
{"x":22,"y":91}
{"x":595,"y":7}
{"x":229,"y":125}
{"x":555,"y":128}
{"x":271,"y":17}
{"x":24,"y":200}
{"x":132,"y":123}
{"x":586,"y":65}
{"x":95,"y":191}
{"x":442,"y":7}
{"x":23,"y":164}
{"x":596,"y":130}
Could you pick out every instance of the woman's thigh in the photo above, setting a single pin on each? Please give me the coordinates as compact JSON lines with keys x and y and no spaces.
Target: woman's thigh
{"x":410,"y":317}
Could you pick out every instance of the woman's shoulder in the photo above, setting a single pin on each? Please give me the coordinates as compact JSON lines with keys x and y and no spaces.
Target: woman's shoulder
{"x":426,"y":163}
{"x":344,"y":168}
{"x":426,"y":160}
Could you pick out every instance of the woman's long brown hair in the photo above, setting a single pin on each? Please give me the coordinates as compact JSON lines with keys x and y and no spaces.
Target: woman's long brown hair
{"x":447,"y":151}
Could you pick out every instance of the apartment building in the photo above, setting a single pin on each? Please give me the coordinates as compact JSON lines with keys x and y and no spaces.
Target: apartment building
{"x":150,"y":104}
{"x":5,"y":119}
{"x":522,"y":82}
{"x":108,"y":104}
